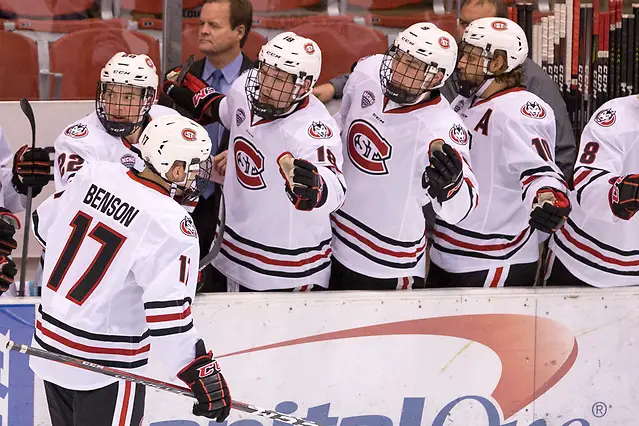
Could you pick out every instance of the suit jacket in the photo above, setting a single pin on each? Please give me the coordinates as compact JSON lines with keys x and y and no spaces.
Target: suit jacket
{"x":206,"y":212}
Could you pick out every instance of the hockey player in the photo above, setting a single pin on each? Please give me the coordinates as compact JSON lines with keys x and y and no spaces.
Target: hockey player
{"x":120,"y":276}
{"x":598,"y":245}
{"x":512,"y":140}
{"x":283,"y":177}
{"x":123,"y":107}
{"x":406,"y":148}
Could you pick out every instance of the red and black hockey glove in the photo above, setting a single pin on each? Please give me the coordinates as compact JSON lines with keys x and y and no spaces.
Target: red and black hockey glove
{"x":550,"y":209}
{"x":8,"y":225}
{"x":308,"y":190}
{"x":624,"y":196}
{"x":31,"y":168}
{"x":443,"y":177}
{"x":205,"y":379}
{"x":8,"y":271}
{"x":195,"y":96}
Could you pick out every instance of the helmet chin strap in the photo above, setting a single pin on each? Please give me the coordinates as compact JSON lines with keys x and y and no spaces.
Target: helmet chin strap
{"x":483,"y":87}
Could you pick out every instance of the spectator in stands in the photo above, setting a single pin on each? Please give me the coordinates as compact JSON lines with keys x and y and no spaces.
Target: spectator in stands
{"x":536,"y":80}
{"x":224,"y":28}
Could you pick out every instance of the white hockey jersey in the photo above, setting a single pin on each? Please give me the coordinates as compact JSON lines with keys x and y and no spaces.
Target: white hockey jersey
{"x":120,"y":273}
{"x":596,"y":246}
{"x":380,"y":229}
{"x":511,"y":150}
{"x":268,"y":244}
{"x":86,"y":140}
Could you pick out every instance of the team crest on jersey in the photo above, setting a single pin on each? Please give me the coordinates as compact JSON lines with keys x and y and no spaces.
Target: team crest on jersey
{"x":533,"y":110}
{"x":368,"y":99}
{"x":249,"y":164}
{"x":458,"y":134}
{"x":128,"y":161}
{"x":367,"y":149}
{"x":240,"y":116}
{"x":459,"y":105}
{"x":319,"y":130}
{"x":77,"y":131}
{"x":606,"y":117}
{"x":188,"y":227}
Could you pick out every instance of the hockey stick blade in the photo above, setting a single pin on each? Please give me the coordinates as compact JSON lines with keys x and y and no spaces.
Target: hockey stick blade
{"x":25,"y":106}
{"x":186,"y":66}
{"x":217,"y":244}
{"x":7,"y":344}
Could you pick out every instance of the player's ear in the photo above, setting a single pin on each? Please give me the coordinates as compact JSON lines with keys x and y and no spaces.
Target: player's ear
{"x":177,"y":173}
{"x":498,"y":64}
{"x":436,"y":79}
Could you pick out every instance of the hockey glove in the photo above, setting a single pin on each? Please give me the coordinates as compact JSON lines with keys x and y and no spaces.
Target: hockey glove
{"x":550,"y":209}
{"x":8,"y":271}
{"x":31,"y":168}
{"x":443,"y":177}
{"x":204,"y":378}
{"x":194,"y":96}
{"x":624,"y":196}
{"x":8,"y":225}
{"x":304,"y":185}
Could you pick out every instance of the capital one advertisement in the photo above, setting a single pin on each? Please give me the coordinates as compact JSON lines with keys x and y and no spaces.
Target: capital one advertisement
{"x":412,"y":358}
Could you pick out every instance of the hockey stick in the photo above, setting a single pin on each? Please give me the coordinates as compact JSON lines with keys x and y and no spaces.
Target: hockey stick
{"x":186,"y":66}
{"x":25,"y":106}
{"x":6,"y":343}
{"x":217,"y":244}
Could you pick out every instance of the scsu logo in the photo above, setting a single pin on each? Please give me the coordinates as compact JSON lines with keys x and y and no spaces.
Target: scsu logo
{"x":249,"y":164}
{"x":367,"y":149}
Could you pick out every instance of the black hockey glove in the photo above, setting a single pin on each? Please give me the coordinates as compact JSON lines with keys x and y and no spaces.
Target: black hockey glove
{"x":550,"y":209}
{"x":8,"y":225}
{"x":624,"y":196}
{"x":195,"y":96}
{"x":8,"y":271}
{"x":205,"y":379}
{"x":308,"y":190}
{"x":443,"y":177}
{"x":31,"y":168}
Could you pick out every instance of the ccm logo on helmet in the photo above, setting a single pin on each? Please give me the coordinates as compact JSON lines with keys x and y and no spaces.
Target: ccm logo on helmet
{"x":309,"y":48}
{"x":208,"y":369}
{"x":188,"y":134}
{"x":499,"y":25}
{"x":444,"y":42}
{"x":367,"y":149}
{"x":249,"y":164}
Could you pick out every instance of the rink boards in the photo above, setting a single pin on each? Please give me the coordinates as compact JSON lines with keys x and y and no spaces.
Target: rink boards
{"x":480,"y":358}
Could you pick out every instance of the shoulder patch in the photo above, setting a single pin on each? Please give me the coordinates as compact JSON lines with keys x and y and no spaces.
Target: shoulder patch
{"x":459,"y":105}
{"x":533,"y":110}
{"x":240,"y":116}
{"x":128,"y":160}
{"x":368,"y":99}
{"x":458,"y":134}
{"x":319,"y":130}
{"x":188,"y":227}
{"x":606,"y":117}
{"x":77,"y":131}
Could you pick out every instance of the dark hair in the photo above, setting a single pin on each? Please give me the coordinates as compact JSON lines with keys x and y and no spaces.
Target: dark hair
{"x":241,"y":14}
{"x":514,"y":78}
{"x":501,"y":10}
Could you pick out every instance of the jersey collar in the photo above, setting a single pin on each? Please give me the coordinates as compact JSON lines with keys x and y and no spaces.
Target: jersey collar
{"x":496,"y":95}
{"x":147,"y":182}
{"x":256,"y":120}
{"x":403,"y":109}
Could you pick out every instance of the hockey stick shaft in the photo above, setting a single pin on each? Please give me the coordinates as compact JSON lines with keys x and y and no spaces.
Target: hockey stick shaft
{"x":25,"y":106}
{"x":147,"y":381}
{"x":217,"y":243}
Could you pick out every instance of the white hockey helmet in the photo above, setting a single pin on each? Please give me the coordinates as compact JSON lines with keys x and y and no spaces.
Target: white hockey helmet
{"x":125,"y":69}
{"x":172,"y":138}
{"x":491,"y":34}
{"x":299,"y":56}
{"x":424,"y":41}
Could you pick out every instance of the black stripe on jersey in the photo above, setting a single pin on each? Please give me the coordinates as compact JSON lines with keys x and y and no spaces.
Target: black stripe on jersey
{"x":36,"y":221}
{"x":602,"y":173}
{"x":171,"y":330}
{"x":91,"y":336}
{"x":283,"y":274}
{"x":103,"y":362}
{"x":472,"y":201}
{"x":598,"y":243}
{"x":472,"y":234}
{"x":538,"y":170}
{"x":371,"y":231}
{"x":278,"y":250}
{"x":376,"y":259}
{"x":592,"y":264}
{"x":481,"y":255}
{"x":168,"y":303}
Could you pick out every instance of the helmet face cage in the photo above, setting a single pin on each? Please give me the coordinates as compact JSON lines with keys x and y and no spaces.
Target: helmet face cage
{"x":472,"y":69}
{"x":403,"y":77}
{"x":271,"y":92}
{"x":198,"y":176}
{"x":122,"y":108}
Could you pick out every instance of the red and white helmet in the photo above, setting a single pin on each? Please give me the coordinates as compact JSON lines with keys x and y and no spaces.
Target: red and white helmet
{"x":491,"y":34}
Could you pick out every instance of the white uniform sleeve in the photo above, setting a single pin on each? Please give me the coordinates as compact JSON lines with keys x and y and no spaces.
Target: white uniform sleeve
{"x":523,"y":141}
{"x":347,"y":99}
{"x":225,"y":112}
{"x":69,"y":159}
{"x":168,"y":278}
{"x":9,"y":198}
{"x":599,"y":162}
{"x":466,"y":199}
